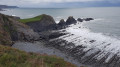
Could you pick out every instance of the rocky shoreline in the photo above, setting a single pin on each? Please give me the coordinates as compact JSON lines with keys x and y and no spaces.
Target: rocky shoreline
{"x":93,"y":56}
{"x":46,"y":39}
{"x":45,"y":36}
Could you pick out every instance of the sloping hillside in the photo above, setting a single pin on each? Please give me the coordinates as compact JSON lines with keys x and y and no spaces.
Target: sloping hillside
{"x":10,"y":57}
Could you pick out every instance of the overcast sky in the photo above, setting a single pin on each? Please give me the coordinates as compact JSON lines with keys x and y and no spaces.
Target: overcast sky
{"x":39,"y":3}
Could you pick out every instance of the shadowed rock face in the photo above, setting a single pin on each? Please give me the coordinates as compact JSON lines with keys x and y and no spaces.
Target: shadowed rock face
{"x":62,"y":22}
{"x":47,"y":22}
{"x":88,"y":19}
{"x":80,"y":20}
{"x":7,"y":30}
{"x":12,"y":30}
{"x":70,"y":20}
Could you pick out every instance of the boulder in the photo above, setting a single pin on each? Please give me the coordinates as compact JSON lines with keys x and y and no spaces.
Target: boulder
{"x":88,"y":19}
{"x":70,"y":20}
{"x":80,"y":20}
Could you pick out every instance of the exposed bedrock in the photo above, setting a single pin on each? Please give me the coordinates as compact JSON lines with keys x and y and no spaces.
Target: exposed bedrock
{"x":63,"y":24}
{"x":47,"y":35}
{"x":71,"y":20}
{"x":80,"y":20}
{"x":92,"y":56}
{"x":88,"y":19}
{"x":12,"y":30}
{"x":84,"y":19}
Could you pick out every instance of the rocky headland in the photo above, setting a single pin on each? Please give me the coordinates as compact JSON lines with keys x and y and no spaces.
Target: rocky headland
{"x":2,"y":7}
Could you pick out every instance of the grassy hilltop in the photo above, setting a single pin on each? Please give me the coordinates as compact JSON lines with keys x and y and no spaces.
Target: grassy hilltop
{"x":37,"y":18}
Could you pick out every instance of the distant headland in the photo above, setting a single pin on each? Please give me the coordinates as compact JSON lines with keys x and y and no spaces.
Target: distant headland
{"x":6,"y":6}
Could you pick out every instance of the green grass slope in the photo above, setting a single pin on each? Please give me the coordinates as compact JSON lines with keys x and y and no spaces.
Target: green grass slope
{"x":37,"y":18}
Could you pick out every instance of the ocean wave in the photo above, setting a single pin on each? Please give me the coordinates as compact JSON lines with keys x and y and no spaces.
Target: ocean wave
{"x":57,"y":22}
{"x":13,"y":15}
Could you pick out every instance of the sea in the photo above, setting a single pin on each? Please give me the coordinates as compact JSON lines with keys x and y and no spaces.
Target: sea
{"x":104,"y":29}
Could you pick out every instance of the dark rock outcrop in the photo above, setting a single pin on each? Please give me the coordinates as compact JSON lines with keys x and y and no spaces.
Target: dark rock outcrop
{"x":80,"y":20}
{"x":88,"y":19}
{"x":47,"y":35}
{"x":7,"y":30}
{"x":61,"y":24}
{"x":46,"y":23}
{"x":70,"y":20}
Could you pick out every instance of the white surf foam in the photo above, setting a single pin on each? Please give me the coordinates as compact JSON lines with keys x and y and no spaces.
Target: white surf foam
{"x":102,"y":42}
{"x":13,"y":15}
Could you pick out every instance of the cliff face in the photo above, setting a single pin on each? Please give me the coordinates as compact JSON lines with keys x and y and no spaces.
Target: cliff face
{"x":11,"y":30}
{"x":7,"y":30}
{"x":46,"y":22}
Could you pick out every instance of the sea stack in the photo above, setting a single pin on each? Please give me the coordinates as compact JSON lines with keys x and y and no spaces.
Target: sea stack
{"x":61,"y":24}
{"x":70,"y":20}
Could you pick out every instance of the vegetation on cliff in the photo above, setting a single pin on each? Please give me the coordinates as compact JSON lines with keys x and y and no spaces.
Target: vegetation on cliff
{"x":40,"y":23}
{"x":37,"y":18}
{"x":10,"y":57}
